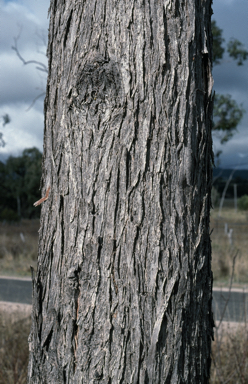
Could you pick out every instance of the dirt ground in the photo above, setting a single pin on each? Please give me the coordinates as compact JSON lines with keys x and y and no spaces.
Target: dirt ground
{"x":21,"y":311}
{"x":18,"y":311}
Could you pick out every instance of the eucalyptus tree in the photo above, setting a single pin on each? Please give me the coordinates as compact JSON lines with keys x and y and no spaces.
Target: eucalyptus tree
{"x":227,"y":112}
{"x":123,"y":288}
{"x":5,"y":120}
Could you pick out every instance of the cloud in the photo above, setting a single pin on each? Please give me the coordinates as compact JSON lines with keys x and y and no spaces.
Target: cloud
{"x":226,"y":2}
{"x":21,"y":133}
{"x":21,"y":84}
{"x":230,"y":78}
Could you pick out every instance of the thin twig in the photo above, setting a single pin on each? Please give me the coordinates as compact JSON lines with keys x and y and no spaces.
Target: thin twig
{"x":34,"y":101}
{"x":42,"y":67}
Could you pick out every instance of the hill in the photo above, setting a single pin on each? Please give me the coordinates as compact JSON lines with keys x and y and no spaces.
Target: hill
{"x":224,"y":173}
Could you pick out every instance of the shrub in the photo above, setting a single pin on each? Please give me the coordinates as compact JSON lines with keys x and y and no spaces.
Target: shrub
{"x":215,"y":197}
{"x":243,"y":203}
{"x":9,"y":215}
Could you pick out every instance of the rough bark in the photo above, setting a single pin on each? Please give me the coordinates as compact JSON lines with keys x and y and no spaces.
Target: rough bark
{"x":123,"y":288}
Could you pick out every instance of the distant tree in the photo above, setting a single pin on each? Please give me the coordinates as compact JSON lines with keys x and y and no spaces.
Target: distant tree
{"x":15,"y":179}
{"x":243,"y":203}
{"x":227,"y":116}
{"x":20,"y":181}
{"x":227,"y":112}
{"x":218,"y":49}
{"x":33,"y":161}
{"x":235,"y":48}
{"x":5,"y":120}
{"x":237,"y":51}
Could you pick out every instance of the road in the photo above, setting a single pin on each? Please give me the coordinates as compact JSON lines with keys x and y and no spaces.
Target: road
{"x":17,"y":290}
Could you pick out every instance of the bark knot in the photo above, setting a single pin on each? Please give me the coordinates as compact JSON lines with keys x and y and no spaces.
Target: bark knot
{"x":99,"y":81}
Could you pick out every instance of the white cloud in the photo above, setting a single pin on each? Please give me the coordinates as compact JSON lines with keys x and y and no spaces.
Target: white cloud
{"x":20,"y":83}
{"x":25,"y":130}
{"x":33,"y":10}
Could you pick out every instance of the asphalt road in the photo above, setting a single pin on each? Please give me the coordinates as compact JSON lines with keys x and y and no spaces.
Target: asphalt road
{"x":16,"y":290}
{"x":234,"y":306}
{"x":231,"y":306}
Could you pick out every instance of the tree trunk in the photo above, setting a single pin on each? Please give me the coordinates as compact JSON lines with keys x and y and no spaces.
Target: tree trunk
{"x":18,"y":201}
{"x":123,"y":289}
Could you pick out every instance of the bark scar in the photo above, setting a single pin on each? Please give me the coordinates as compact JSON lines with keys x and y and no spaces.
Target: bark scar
{"x":43,"y":198}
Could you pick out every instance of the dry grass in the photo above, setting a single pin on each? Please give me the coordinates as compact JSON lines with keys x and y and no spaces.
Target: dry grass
{"x":230,"y":355}
{"x":18,"y":247}
{"x":229,"y":350}
{"x":14,"y":331}
{"x":17,"y":255}
{"x":228,"y":213}
{"x":223,"y":252}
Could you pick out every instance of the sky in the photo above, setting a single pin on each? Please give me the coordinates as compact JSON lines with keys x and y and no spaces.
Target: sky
{"x":21,"y":84}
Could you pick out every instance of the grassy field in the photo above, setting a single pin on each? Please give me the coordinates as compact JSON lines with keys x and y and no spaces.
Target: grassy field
{"x":229,"y":351}
{"x":230,"y":355}
{"x":228,"y":251}
{"x":18,"y":247}
{"x":14,"y":331}
{"x":18,"y":250}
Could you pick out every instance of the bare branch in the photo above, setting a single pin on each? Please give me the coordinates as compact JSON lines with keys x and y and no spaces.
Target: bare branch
{"x":35,"y":99}
{"x":42,"y":67}
{"x":42,"y":36}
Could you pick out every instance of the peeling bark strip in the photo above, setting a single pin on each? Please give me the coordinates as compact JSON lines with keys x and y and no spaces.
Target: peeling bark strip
{"x":123,"y":288}
{"x":43,"y":198}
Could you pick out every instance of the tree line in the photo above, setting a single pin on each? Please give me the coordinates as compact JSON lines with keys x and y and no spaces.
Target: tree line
{"x":242,"y":186}
{"x":20,"y":185}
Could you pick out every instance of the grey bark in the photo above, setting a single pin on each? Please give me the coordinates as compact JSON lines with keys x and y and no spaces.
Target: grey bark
{"x":123,"y":289}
